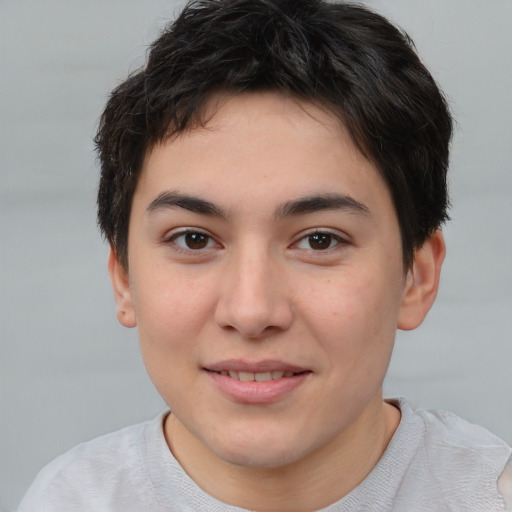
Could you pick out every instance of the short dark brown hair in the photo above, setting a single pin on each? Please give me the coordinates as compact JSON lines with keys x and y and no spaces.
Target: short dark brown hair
{"x":343,"y":56}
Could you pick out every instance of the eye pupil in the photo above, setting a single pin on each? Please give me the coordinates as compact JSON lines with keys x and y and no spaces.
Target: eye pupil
{"x":319,"y":241}
{"x":196,"y":240}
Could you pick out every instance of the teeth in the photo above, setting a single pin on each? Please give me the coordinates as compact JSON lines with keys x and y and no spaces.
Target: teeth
{"x":262,"y":377}
{"x":246,"y":376}
{"x":259,"y":377}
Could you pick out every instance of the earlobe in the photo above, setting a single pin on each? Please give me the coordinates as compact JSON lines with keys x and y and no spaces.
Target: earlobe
{"x":422,"y":282}
{"x":122,"y":292}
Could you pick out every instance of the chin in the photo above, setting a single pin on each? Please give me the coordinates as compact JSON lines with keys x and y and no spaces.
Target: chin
{"x":265,"y":452}
{"x":258,"y":459}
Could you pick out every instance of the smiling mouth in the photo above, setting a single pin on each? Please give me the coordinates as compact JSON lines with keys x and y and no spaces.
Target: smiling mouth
{"x":257,"y":377}
{"x":261,"y":382}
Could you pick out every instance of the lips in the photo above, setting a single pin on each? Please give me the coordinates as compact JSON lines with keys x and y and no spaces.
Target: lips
{"x":256,"y":382}
{"x":256,"y":376}
{"x":259,"y":371}
{"x":262,"y":366}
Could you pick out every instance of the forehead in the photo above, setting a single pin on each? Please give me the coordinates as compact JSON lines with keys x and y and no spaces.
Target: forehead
{"x":256,"y":155}
{"x":258,"y":135}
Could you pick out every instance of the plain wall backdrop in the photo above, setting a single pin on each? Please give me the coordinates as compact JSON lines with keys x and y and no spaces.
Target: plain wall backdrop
{"x":69,"y":372}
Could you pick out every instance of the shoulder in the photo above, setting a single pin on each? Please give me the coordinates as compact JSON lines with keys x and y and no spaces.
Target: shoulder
{"x":92,"y":471}
{"x":454,"y":428}
{"x":461,"y":462}
{"x":452,"y":438}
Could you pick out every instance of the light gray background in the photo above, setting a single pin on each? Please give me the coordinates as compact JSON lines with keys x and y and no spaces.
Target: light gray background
{"x":68,"y":372}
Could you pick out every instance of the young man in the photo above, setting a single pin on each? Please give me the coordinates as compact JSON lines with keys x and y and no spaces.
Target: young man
{"x":273,"y":186}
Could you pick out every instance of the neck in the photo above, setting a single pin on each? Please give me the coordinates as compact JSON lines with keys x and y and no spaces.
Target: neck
{"x":312,"y":483}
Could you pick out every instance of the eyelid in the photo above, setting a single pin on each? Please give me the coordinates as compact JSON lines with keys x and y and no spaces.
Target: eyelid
{"x":171,"y":236}
{"x":341,"y":239}
{"x":338,"y":235}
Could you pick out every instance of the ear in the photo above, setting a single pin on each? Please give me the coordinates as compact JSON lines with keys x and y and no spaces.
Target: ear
{"x":122,"y":291}
{"x":422,"y":282}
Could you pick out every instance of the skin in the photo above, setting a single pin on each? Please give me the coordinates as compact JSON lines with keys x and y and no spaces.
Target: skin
{"x":264,"y":275}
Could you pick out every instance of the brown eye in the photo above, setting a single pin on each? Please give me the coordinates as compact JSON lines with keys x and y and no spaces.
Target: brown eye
{"x":192,"y":240}
{"x":320,"y":241}
{"x":196,"y":240}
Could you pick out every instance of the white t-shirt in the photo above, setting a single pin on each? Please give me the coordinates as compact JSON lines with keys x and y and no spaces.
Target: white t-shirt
{"x":435,"y":462}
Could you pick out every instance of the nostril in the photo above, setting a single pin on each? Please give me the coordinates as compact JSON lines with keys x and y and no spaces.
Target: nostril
{"x":253,"y":302}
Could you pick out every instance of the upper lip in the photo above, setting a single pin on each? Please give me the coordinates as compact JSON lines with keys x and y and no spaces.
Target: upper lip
{"x":267,"y":365}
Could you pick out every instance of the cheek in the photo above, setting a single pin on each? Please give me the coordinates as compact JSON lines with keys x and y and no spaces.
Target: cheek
{"x":354,"y":315}
{"x":171,"y":312}
{"x":171,"y":317}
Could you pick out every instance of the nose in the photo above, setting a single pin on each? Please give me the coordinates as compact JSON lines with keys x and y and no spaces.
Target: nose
{"x":253,"y":298}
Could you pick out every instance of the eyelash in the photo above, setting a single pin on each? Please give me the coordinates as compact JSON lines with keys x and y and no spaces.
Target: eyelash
{"x":171,"y":239}
{"x":208,"y":240}
{"x":332,"y":236}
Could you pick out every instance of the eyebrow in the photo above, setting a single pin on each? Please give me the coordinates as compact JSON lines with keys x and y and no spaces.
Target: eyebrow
{"x":301,"y":206}
{"x":316,"y":203}
{"x":194,"y":204}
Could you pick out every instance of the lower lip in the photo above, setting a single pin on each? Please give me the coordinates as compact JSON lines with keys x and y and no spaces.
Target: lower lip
{"x":254,"y":392}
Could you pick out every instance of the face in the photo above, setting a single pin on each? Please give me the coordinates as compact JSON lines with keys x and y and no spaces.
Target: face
{"x":266,"y":280}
